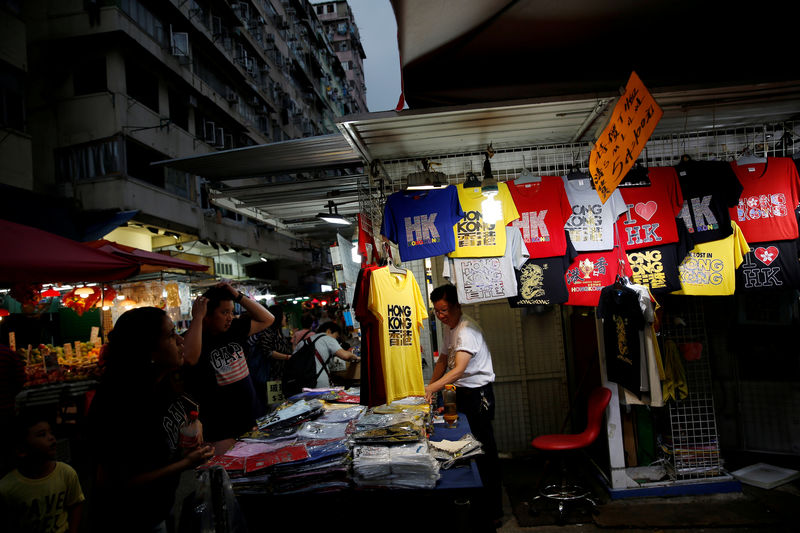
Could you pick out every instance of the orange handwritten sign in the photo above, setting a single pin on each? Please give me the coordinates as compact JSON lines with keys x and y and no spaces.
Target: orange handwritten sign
{"x":634,"y":118}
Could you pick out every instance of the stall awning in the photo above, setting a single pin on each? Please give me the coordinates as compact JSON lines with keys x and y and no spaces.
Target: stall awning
{"x":30,"y":255}
{"x":298,"y":155}
{"x":148,"y":261}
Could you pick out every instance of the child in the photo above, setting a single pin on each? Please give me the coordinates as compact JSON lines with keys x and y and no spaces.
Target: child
{"x":42,"y":494}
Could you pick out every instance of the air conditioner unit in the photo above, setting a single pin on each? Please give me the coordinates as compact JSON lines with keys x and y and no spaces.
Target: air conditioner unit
{"x":229,"y":140}
{"x":244,"y":11}
{"x":220,"y":138}
{"x":263,"y":110}
{"x":192,"y":100}
{"x":255,"y":100}
{"x":248,"y":65}
{"x":231,"y":96}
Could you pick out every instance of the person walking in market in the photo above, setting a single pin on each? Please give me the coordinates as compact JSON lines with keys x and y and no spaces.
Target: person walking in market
{"x":467,"y":363}
{"x":270,"y":353}
{"x":216,"y":371}
{"x":135,"y":422}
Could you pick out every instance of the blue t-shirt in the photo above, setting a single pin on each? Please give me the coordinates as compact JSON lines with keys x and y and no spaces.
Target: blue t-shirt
{"x":421,"y":222}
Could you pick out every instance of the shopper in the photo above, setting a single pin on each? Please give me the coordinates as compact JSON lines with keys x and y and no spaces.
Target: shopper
{"x":467,"y":362}
{"x":135,"y":420}
{"x":216,"y":354}
{"x":271,"y":351}
{"x":305,"y":322}
{"x":41,"y":494}
{"x":328,"y":347}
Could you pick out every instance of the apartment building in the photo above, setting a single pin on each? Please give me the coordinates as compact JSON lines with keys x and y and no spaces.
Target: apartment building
{"x":115,"y":85}
{"x":340,"y":25}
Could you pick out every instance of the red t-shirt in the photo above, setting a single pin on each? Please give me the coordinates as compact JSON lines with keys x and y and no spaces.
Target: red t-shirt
{"x":591,"y":271}
{"x":766,"y":206}
{"x":650,"y":219}
{"x":543,"y":209}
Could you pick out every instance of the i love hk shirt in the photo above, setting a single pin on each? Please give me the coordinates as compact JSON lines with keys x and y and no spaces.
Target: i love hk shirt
{"x":651,"y":210}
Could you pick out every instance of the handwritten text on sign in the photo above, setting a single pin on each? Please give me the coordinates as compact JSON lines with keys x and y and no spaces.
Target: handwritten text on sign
{"x":615,"y":151}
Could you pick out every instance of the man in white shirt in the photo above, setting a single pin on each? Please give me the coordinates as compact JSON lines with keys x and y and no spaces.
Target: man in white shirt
{"x":328,"y":347}
{"x":468,"y":365}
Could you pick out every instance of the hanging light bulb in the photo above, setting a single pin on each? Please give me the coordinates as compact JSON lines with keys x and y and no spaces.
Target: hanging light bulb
{"x":84,"y":292}
{"x":4,"y":312}
{"x":127,"y":303}
{"x":491,"y":208}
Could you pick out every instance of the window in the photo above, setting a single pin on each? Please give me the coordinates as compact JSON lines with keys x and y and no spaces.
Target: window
{"x":89,"y":76}
{"x":178,"y":108}
{"x":12,"y":99}
{"x":138,"y":158}
{"x":88,"y":161}
{"x":330,"y":8}
{"x":142,"y":84}
{"x":320,"y":10}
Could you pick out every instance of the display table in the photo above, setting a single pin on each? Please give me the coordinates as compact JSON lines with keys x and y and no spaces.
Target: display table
{"x":451,"y":504}
{"x":54,"y":393}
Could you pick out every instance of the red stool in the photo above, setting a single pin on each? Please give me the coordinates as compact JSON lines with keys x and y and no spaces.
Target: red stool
{"x":563,"y":444}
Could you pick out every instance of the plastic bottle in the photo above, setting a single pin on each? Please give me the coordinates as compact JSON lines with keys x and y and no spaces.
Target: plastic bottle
{"x":191,"y":432}
{"x":450,"y":408}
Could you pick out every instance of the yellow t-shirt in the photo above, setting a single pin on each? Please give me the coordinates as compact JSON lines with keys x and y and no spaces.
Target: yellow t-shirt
{"x":710,"y":268}
{"x":397,"y":303}
{"x":39,"y":504}
{"x":475,"y":236}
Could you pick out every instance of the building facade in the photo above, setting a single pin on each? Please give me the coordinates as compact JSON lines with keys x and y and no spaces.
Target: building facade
{"x":342,"y":31}
{"x":115,"y":85}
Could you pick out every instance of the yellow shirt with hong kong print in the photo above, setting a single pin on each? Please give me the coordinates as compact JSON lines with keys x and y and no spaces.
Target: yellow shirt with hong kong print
{"x":710,"y":268}
{"x":397,"y":303}
{"x":476,"y":236}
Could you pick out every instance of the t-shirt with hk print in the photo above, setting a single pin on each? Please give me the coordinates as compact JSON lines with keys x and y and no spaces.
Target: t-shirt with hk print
{"x":591,"y":225}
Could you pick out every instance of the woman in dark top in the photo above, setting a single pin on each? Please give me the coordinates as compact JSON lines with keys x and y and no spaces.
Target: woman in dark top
{"x":218,"y":376}
{"x":135,"y":421}
{"x":272,"y":347}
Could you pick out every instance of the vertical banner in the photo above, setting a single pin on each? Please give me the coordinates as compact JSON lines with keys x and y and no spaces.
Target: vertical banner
{"x":634,"y":118}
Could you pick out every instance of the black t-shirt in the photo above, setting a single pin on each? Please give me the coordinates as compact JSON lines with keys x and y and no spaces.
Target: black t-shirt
{"x":656,"y":267}
{"x":709,"y":188}
{"x":622,"y":322}
{"x":221,"y":383}
{"x":769,"y":265}
{"x":134,"y":429}
{"x":541,"y":281}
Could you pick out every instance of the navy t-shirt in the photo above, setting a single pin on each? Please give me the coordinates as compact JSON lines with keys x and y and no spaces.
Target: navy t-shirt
{"x":656,"y":267}
{"x":709,"y":188}
{"x":421,"y":222}
{"x":541,"y":281}
{"x":221,"y":383}
{"x":769,"y":265}
{"x":622,"y":321}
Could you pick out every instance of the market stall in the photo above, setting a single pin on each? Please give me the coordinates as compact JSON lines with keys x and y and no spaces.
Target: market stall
{"x":63,"y":298}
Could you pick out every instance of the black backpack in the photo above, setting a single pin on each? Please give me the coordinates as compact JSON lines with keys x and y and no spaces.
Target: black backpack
{"x":301,"y":369}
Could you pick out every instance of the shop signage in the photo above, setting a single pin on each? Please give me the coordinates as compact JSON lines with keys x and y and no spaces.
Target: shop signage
{"x":634,"y":118}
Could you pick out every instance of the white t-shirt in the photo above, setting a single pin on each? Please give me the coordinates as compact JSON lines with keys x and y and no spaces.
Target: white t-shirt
{"x":326,"y":346}
{"x":482,"y":279}
{"x":467,"y":337}
{"x":591,"y":225}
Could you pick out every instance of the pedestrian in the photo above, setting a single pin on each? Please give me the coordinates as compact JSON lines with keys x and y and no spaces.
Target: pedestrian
{"x":467,"y":363}
{"x":327,"y":344}
{"x":41,"y":494}
{"x":135,"y":420}
{"x":271,"y":351}
{"x":217,"y":374}
{"x":305,"y":322}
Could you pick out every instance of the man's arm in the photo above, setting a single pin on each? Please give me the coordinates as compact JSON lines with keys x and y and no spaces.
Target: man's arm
{"x":461,"y":362}
{"x":341,"y":353}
